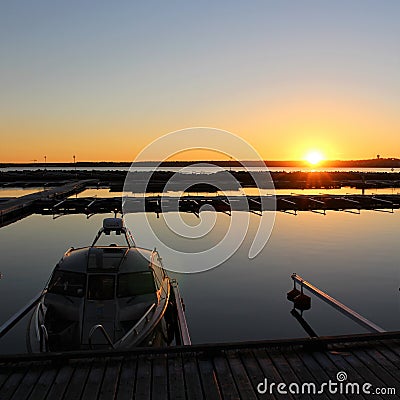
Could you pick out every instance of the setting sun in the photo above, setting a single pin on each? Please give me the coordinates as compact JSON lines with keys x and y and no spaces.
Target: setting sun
{"x":314,"y":157}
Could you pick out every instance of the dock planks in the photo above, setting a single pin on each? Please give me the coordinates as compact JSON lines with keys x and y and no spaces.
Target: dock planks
{"x":213,"y":371}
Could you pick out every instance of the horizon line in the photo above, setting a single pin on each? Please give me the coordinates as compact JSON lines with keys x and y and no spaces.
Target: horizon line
{"x":227,"y":162}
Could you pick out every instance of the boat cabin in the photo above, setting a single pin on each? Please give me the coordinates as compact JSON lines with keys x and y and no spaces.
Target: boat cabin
{"x":112,"y":286}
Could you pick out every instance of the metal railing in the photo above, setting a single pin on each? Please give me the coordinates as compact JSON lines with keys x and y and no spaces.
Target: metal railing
{"x":138,"y":327}
{"x":44,"y":339}
{"x":103,"y":331}
{"x":370,"y":326}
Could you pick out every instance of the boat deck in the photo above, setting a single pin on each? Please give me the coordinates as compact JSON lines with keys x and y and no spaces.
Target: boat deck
{"x":213,"y":371}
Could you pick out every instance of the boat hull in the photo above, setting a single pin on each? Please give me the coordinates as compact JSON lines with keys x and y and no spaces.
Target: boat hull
{"x":154,"y":328}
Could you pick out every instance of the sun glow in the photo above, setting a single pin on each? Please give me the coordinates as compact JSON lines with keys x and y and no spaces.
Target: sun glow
{"x":314,"y":157}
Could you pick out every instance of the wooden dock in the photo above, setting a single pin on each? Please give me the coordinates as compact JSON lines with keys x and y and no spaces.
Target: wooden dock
{"x":56,"y":202}
{"x":19,"y":207}
{"x":194,"y":203}
{"x":212,"y":371}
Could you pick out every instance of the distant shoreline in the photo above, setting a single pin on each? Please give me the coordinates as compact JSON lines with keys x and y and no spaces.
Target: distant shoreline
{"x":371,"y":163}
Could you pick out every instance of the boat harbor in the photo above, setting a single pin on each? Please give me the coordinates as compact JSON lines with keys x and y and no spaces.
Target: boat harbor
{"x":61,"y":201}
{"x":200,"y":200}
{"x":182,"y":370}
{"x":354,"y":366}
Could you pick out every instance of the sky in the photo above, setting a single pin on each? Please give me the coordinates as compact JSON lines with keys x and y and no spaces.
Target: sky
{"x":101,"y":79}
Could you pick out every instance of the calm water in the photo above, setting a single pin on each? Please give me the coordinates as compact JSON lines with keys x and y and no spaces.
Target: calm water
{"x":354,"y":258}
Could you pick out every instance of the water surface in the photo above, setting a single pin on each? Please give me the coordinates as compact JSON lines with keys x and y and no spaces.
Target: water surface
{"x":354,"y":258}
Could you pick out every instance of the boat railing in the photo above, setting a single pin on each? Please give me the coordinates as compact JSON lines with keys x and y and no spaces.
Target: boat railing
{"x":153,"y":254}
{"x":39,"y":321}
{"x":11,"y":322}
{"x":103,"y":331}
{"x":156,"y":256}
{"x":115,"y":225}
{"x":44,"y":339}
{"x":139,"y":326}
{"x":41,"y":311}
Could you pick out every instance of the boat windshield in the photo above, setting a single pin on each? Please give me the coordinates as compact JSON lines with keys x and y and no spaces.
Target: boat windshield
{"x":101,"y":287}
{"x":105,"y":259}
{"x":134,"y":284}
{"x":67,"y":283}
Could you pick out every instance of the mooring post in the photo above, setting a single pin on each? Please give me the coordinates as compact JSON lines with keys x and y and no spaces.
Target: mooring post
{"x":338,"y":305}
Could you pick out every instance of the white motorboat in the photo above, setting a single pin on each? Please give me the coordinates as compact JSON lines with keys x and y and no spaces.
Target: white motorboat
{"x":105,"y":296}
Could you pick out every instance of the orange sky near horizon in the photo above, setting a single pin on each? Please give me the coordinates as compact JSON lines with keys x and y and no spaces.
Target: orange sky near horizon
{"x":102,"y":83}
{"x":288,"y":130}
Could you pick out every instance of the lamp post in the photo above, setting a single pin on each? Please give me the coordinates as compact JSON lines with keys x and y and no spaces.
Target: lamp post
{"x":75,"y":165}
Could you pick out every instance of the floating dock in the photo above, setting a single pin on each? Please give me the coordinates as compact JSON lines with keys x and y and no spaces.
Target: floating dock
{"x":57,"y":202}
{"x":211,"y":371}
{"x":194,"y":204}
{"x":16,"y":208}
